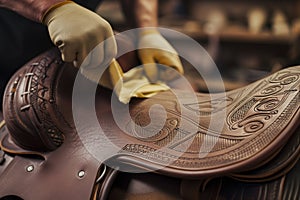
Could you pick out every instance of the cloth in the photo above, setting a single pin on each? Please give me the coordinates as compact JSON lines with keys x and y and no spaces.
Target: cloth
{"x":134,"y":83}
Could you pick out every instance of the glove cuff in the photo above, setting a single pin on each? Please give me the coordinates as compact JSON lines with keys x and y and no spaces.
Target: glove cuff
{"x":53,"y":7}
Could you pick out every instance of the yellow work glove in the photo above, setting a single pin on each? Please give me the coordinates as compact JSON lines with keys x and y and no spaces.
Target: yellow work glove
{"x":154,"y":48}
{"x":77,"y":31}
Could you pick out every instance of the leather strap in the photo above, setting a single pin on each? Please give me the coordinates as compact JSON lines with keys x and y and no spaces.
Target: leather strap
{"x":70,"y":168}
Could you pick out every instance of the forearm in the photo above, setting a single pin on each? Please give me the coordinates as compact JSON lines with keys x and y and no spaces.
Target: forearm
{"x":31,"y":9}
{"x":140,"y":13}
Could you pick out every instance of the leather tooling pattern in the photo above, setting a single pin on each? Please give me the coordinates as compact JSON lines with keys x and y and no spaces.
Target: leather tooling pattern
{"x":37,"y":91}
{"x":263,"y":112}
{"x":251,"y":116}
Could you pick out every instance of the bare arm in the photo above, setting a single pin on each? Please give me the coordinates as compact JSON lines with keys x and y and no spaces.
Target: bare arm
{"x":31,"y":9}
{"x":140,"y":13}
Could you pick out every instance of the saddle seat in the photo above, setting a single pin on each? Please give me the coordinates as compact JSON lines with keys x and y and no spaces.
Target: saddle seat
{"x":250,"y":134}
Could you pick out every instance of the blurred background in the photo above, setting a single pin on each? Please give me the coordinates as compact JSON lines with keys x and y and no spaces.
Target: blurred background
{"x":247,"y":39}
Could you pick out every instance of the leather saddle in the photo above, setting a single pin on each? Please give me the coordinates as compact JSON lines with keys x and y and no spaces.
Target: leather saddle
{"x":241,"y":144}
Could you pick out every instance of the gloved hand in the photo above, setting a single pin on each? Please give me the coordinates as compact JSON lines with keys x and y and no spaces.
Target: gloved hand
{"x":154,"y":48}
{"x":77,"y":31}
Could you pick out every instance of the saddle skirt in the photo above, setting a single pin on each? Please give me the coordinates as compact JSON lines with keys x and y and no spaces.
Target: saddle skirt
{"x":250,"y":134}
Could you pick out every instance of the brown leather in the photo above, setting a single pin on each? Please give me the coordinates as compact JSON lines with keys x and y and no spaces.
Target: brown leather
{"x":279,"y":179}
{"x":53,"y":173}
{"x":260,"y":120}
{"x":271,"y":181}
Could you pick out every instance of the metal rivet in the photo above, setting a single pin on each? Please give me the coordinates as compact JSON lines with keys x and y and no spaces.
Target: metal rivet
{"x":30,"y":168}
{"x":81,"y":174}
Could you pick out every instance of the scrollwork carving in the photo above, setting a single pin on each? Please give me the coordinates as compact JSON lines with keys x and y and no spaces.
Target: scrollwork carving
{"x":252,"y":115}
{"x":256,"y":116}
{"x":146,"y":134}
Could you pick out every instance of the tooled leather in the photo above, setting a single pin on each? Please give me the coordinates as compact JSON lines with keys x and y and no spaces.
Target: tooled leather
{"x":258,"y":115}
{"x":31,"y":107}
{"x":28,"y":95}
{"x":260,"y":119}
{"x":259,"y":122}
